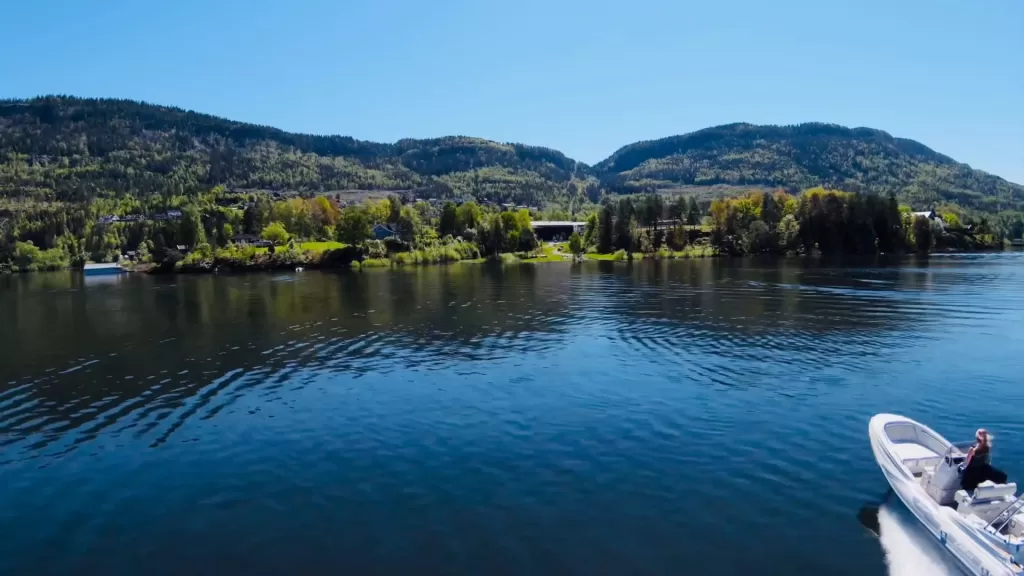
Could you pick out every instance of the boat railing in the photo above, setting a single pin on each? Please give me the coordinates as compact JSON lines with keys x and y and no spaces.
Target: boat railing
{"x":1009,"y":512}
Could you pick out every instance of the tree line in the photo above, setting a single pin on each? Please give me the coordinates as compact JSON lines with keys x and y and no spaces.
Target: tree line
{"x":818,"y":221}
{"x":56,"y":235}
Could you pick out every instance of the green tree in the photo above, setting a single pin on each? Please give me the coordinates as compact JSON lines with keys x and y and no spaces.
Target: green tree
{"x":679,"y":208}
{"x":408,"y":223}
{"x":757,"y":238}
{"x":771,"y":212}
{"x":469,"y":215}
{"x":652,"y":207}
{"x":354,"y":225}
{"x":693,"y":213}
{"x":378,"y":211}
{"x":625,"y":224}
{"x":677,"y":237}
{"x":923,"y":234}
{"x":257,"y":215}
{"x":606,"y":230}
{"x":448,"y":224}
{"x":951,"y":220}
{"x":576,"y":245}
{"x":590,"y":232}
{"x":394,"y":209}
{"x":276,"y":233}
{"x":492,"y":234}
{"x":788,"y":233}
{"x":25,"y":255}
{"x":192,"y":231}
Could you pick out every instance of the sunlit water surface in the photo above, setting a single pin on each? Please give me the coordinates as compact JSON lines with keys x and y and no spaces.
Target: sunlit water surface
{"x":683,"y":417}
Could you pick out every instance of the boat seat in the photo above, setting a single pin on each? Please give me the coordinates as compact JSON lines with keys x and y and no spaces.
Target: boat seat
{"x":988,"y":491}
{"x":987,"y":502}
{"x":919,"y":465}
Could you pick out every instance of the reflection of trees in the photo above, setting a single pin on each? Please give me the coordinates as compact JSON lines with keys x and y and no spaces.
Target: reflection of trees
{"x":148,"y":353}
{"x":145,"y":353}
{"x":767,"y":310}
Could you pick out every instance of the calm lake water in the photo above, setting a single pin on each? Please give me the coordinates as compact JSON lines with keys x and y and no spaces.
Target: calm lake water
{"x":699,"y":417}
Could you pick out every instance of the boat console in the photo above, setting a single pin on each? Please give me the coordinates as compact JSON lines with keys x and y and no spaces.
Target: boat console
{"x":942,"y":480}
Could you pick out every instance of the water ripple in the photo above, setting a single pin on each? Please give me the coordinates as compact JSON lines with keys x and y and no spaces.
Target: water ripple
{"x":604,"y":418}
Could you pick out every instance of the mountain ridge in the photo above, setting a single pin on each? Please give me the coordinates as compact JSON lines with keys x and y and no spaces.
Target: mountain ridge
{"x":62,"y":148}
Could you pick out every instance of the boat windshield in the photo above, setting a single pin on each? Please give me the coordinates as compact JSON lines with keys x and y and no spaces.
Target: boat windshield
{"x":957,"y":452}
{"x":962,"y":447}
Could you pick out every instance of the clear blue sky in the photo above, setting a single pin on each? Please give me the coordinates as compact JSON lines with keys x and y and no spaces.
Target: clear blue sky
{"x":584,"y":77}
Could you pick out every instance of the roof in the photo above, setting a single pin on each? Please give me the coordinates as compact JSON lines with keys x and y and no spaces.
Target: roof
{"x":543,"y":223}
{"x":926,"y":213}
{"x":102,"y":266}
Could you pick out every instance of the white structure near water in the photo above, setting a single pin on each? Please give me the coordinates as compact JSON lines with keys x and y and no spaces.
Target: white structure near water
{"x":103,"y":269}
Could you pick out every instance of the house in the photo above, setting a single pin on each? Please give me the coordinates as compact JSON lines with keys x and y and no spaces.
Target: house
{"x":251,"y":240}
{"x":553,"y":230}
{"x":931,"y":215}
{"x":245,"y":238}
{"x":382,"y":231}
{"x":169,"y":215}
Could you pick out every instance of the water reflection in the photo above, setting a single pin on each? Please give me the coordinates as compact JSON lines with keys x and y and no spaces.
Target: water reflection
{"x":137,"y":351}
{"x":529,"y":413}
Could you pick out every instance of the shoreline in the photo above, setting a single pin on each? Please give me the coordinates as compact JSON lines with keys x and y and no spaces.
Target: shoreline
{"x":355,"y":264}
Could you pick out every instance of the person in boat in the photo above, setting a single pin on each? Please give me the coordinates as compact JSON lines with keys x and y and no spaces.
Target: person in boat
{"x":978,"y":465}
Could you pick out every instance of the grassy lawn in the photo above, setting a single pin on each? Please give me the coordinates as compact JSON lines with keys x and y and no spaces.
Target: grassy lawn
{"x":320,"y":246}
{"x":596,"y":256}
{"x":546,"y":259}
{"x":551,"y":253}
{"x":311,"y":246}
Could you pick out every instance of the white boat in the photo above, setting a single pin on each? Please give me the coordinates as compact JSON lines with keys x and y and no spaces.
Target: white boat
{"x":983,"y":530}
{"x":103,"y":269}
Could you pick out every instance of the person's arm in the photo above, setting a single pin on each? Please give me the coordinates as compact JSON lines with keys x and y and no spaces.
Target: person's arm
{"x":970,"y":454}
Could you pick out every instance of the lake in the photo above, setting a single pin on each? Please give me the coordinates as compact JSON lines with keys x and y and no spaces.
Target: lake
{"x":699,"y":417}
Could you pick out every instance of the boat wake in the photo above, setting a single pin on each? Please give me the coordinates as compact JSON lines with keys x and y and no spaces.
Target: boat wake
{"x":909,"y":550}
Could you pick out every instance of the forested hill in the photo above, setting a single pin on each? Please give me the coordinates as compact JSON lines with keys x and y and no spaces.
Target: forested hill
{"x":73,"y":150}
{"x":806,"y":155}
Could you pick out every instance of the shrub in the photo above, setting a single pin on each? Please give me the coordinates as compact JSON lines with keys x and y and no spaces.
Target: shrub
{"x":506,"y":258}
{"x":644,"y":243}
{"x":620,"y":255}
{"x":375,"y":263}
{"x":676,"y":238}
{"x":375,"y":249}
{"x":276,"y":233}
{"x":395,"y":244}
{"x":757,"y":238}
{"x":27,"y":257}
